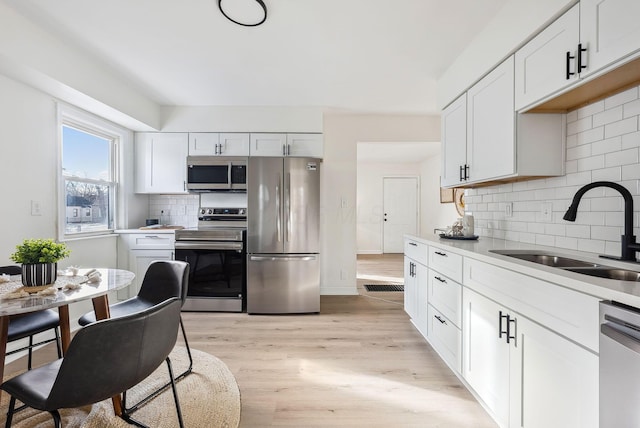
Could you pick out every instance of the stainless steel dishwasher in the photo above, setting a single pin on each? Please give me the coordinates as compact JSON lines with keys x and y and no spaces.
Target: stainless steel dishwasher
{"x":619,"y":365}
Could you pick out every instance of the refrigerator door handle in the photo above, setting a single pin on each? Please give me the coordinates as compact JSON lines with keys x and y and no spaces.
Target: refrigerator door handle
{"x":288,"y":204}
{"x":305,"y":258}
{"x":278,"y":211}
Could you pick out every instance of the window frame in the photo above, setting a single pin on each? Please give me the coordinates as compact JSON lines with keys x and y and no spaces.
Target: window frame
{"x":86,"y":122}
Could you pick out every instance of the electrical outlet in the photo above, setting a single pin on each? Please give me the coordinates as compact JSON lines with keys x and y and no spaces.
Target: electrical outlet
{"x":35,"y":208}
{"x":546,"y":211}
{"x":508,"y":209}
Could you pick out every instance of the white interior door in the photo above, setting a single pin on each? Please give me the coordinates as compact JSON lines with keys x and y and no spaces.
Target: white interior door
{"x":400,"y":203}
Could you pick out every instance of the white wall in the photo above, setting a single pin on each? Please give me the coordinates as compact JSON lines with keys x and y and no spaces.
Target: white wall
{"x":603,"y":143}
{"x":370,"y":202}
{"x":434,"y":214}
{"x":516,"y":22}
{"x":339,"y":170}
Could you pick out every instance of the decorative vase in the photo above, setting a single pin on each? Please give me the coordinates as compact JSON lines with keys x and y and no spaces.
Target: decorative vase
{"x":38,"y":274}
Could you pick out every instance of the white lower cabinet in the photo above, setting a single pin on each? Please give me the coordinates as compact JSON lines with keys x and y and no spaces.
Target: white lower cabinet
{"x":526,"y":375}
{"x":415,"y":293}
{"x":554,"y":382}
{"x":445,"y":338}
{"x":137,"y":250}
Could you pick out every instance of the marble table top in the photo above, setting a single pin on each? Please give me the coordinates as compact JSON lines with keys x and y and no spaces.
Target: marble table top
{"x":111,"y":280}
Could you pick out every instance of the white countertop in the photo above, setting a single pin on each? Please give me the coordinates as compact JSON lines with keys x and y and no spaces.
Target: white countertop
{"x":627,"y":292}
{"x":156,"y":230}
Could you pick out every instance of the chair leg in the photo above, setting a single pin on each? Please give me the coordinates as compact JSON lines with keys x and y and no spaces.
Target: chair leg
{"x":10,"y":411}
{"x":175,"y":393}
{"x":30,"y":352}
{"x":186,"y":344}
{"x":58,"y":341}
{"x":56,"y":418}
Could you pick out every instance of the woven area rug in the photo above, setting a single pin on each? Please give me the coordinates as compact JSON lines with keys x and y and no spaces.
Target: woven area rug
{"x":209,"y":397}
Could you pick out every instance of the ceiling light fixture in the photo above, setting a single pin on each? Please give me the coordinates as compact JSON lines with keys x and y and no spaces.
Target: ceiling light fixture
{"x":262,"y":5}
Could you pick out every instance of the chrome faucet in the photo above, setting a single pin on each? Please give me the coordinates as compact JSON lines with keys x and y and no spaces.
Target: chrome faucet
{"x":629,"y":245}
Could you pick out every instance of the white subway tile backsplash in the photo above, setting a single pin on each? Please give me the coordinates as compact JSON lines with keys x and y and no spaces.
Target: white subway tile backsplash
{"x":623,"y":157}
{"x":625,"y":126}
{"x":621,"y":98}
{"x":603,"y":144}
{"x":607,"y":116}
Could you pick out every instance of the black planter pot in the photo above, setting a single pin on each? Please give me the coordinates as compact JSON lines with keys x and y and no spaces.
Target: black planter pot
{"x":38,"y":274}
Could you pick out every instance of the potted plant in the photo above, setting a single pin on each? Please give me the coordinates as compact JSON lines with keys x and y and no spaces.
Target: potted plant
{"x":39,"y":258}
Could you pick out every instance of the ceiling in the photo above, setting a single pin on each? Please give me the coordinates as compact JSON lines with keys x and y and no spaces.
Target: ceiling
{"x":373,"y":56}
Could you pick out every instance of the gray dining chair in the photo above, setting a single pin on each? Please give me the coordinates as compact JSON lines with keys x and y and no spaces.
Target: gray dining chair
{"x":104,"y":359}
{"x":26,"y":326}
{"x":164,"y":279}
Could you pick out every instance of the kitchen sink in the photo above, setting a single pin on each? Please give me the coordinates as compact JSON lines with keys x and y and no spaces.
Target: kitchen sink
{"x":546,"y":259}
{"x":554,"y":261}
{"x":572,"y":265}
{"x":610,"y":273}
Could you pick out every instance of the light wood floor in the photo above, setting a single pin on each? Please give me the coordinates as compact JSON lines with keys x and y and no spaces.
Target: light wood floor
{"x":359,"y":363}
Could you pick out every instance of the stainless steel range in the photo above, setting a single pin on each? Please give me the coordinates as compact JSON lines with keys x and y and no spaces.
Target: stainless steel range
{"x":216,"y":254}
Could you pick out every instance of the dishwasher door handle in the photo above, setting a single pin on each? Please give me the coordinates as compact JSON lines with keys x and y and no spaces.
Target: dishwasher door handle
{"x":620,"y":337}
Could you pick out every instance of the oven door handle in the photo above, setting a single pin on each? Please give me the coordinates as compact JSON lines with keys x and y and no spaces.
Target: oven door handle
{"x":182,"y":245}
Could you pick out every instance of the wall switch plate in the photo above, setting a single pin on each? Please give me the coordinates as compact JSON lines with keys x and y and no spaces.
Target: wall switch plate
{"x":546,"y":211}
{"x":508,"y":209}
{"x":35,"y":208}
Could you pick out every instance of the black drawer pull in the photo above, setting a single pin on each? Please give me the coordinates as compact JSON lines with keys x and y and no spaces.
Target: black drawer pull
{"x":440,"y":279}
{"x":440,"y":319}
{"x":413,"y":243}
{"x":441,"y":254}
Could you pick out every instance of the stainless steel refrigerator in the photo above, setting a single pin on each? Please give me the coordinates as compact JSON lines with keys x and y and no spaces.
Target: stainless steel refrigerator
{"x":283,"y":222}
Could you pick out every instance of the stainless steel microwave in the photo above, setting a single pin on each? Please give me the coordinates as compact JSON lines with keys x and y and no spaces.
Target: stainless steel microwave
{"x":216,"y":173}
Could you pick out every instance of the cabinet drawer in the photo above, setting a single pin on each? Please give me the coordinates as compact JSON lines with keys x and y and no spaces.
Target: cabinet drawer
{"x":151,"y":241}
{"x":446,"y":263}
{"x":446,"y":296}
{"x":416,"y":251}
{"x":445,"y":338}
{"x":568,"y":312}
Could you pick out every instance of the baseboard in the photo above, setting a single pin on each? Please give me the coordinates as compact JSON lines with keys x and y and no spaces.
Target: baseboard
{"x":338,"y":291}
{"x":367,"y":252}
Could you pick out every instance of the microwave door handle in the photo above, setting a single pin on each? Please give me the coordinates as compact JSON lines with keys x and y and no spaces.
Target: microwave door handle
{"x":229,"y":174}
{"x":278,"y":213}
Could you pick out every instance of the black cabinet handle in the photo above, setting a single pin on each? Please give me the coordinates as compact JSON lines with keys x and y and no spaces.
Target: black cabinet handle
{"x":461,"y":172}
{"x":569,"y":58}
{"x":500,"y":330}
{"x":441,"y":254}
{"x":466,"y":171}
{"x":440,"y":279}
{"x":581,"y":64}
{"x":440,"y":319}
{"x":413,"y":244}
{"x":515,"y":327}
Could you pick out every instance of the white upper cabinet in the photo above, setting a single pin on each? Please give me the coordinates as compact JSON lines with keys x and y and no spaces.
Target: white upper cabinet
{"x":267,"y":144}
{"x":490,"y":125}
{"x":161,"y":162}
{"x":305,"y":145}
{"x":218,"y":144}
{"x":488,"y":141}
{"x":294,"y":145}
{"x":548,"y":62}
{"x":591,"y":37}
{"x":609,"y":30}
{"x":454,"y":141}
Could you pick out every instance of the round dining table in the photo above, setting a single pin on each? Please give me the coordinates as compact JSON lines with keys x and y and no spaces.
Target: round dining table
{"x":68,"y":289}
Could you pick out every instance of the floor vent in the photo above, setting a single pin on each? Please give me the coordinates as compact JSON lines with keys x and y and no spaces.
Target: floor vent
{"x":384,"y":287}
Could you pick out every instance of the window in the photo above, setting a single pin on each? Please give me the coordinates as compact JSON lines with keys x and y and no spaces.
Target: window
{"x":89,"y":179}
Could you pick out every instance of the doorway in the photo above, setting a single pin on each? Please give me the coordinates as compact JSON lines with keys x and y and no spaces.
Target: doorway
{"x":400,"y":212}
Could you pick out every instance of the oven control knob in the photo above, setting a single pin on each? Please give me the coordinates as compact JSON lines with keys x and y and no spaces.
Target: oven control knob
{"x":202,"y":211}
{"x":209,"y":211}
{"x":242,"y":211}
